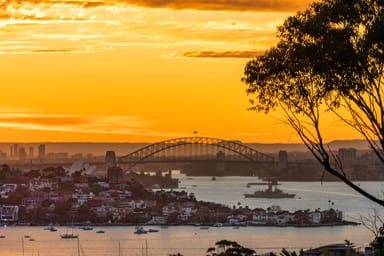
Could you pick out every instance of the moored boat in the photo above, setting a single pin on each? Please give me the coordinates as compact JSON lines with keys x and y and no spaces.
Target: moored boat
{"x":140,"y":231}
{"x":68,"y":236}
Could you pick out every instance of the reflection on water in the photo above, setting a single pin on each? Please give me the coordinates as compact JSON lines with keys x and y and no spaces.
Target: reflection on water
{"x":187,"y":240}
{"x":191,"y":241}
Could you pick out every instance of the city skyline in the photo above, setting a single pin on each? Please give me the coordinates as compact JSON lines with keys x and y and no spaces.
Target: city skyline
{"x":137,"y":71}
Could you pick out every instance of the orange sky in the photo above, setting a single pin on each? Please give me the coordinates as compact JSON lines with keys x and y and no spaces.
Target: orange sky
{"x":136,"y":70}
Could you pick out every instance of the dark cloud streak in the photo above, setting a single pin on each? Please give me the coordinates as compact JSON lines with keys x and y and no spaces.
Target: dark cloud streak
{"x":227,"y":54}
{"x":46,"y":120}
{"x":52,"y":51}
{"x":225,"y":5}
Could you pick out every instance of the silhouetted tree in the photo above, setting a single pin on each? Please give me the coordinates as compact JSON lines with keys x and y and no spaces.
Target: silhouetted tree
{"x":4,"y":170}
{"x":33,"y":174}
{"x":378,"y":243}
{"x":229,"y":248}
{"x":16,"y":196}
{"x":328,"y":57}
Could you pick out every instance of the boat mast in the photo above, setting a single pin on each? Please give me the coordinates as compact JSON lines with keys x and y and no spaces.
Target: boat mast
{"x":22,"y":245}
{"x":78,"y":247}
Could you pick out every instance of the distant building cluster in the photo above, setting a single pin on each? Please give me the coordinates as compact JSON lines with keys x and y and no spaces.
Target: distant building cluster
{"x":17,"y":152}
{"x":32,"y":153}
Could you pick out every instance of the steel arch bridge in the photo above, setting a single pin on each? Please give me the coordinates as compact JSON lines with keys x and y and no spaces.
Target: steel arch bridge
{"x":195,"y":149}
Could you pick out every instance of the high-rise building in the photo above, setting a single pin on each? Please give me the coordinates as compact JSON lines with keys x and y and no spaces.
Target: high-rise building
{"x":3,"y":156}
{"x":22,"y":153}
{"x":31,"y":152}
{"x":115,"y":175}
{"x":41,"y":151}
{"x":283,"y":159}
{"x":347,"y":155}
{"x":15,"y":151}
{"x":110,"y":159}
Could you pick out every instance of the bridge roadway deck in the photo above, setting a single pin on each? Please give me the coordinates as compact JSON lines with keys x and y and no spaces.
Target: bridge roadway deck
{"x":30,"y":165}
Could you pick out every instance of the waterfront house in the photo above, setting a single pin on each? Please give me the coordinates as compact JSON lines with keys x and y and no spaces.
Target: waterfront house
{"x":238,"y":219}
{"x":346,"y":249}
{"x":103,"y":211}
{"x":42,"y":183}
{"x":169,"y":209}
{"x":158,"y":220}
{"x":31,"y":202}
{"x":315,"y":217}
{"x":9,"y":213}
{"x":137,"y":204}
{"x":6,"y":189}
{"x":331,"y":215}
{"x":260,"y":217}
{"x":185,"y":213}
{"x":279,"y":218}
{"x":83,"y":198}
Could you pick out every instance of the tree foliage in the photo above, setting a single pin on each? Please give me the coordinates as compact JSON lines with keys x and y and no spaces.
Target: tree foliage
{"x":285,"y":252}
{"x":330,"y":56}
{"x":378,"y":243}
{"x":229,"y":248}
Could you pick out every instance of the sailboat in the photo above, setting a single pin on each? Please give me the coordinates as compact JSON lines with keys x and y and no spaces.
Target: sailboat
{"x":69,"y":235}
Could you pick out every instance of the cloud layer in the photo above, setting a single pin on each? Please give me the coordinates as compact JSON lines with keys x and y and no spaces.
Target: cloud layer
{"x":61,"y":27}
{"x":74,"y":123}
{"x":210,"y":5}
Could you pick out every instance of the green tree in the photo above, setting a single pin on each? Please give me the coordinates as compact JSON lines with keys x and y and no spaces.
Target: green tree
{"x":329,"y":58}
{"x":229,"y":248}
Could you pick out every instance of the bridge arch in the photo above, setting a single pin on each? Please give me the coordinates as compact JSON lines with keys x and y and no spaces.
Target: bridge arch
{"x":140,"y":155}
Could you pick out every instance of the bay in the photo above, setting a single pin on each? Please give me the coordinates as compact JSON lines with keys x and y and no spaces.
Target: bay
{"x":193,"y":241}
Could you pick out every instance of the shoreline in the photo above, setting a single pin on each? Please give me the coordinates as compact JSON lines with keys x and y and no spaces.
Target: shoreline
{"x":79,"y":225}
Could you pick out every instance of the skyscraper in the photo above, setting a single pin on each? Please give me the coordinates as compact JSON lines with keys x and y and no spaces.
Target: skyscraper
{"x":42,"y":151}
{"x":15,"y":151}
{"x":22,"y":153}
{"x":110,"y":159}
{"x":31,"y":152}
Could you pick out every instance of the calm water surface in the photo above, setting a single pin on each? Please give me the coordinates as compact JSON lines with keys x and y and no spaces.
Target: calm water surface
{"x":190,"y":241}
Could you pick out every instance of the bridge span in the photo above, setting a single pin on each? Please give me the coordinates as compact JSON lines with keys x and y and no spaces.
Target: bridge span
{"x":196,"y":149}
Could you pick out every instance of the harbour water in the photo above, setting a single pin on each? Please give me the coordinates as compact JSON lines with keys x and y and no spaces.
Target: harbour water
{"x":193,"y":241}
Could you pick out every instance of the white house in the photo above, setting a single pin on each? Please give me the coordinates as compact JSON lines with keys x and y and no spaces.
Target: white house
{"x":260,"y":218}
{"x":158,"y":220}
{"x":9,"y":213}
{"x":315,"y":217}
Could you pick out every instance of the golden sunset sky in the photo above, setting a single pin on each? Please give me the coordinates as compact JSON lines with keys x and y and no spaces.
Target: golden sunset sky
{"x":136,"y":70}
